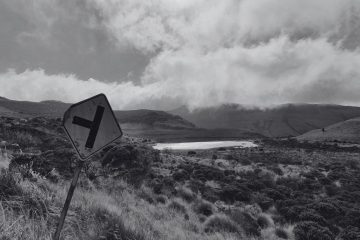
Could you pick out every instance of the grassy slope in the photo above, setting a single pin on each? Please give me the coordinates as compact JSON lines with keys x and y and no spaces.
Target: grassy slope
{"x":347,"y":131}
{"x":32,"y":210}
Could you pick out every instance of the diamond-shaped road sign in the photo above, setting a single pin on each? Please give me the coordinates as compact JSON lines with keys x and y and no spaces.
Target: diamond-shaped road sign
{"x":91,"y":125}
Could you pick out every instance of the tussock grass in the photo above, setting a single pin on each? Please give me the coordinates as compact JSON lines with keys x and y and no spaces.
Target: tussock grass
{"x":186,"y":194}
{"x":222,"y":223}
{"x":30,"y":211}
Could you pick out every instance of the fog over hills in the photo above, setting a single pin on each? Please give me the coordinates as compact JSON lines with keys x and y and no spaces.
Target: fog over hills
{"x":281,"y":121}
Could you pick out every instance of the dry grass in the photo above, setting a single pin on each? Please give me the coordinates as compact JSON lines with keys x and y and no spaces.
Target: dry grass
{"x":4,"y":160}
{"x":30,"y":210}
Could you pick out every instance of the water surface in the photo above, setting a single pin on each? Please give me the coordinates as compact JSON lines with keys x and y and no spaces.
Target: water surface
{"x":203,"y":145}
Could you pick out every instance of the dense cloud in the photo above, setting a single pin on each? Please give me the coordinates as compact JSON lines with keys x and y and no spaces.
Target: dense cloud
{"x":207,"y":52}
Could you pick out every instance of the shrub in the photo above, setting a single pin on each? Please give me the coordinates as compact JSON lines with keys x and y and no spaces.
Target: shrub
{"x":311,"y":215}
{"x":231,"y":193}
{"x":247,"y":222}
{"x":332,"y":190}
{"x":327,"y":209}
{"x":281,"y":233}
{"x":263,"y":222}
{"x":161,"y":199}
{"x":191,"y":153}
{"x":180,"y":175}
{"x":136,"y":159}
{"x":8,"y":185}
{"x":113,"y":227}
{"x":274,"y":194}
{"x":186,"y":194}
{"x":350,"y":233}
{"x":204,"y":208}
{"x":245,"y":161}
{"x":264,"y":202}
{"x":221,"y":223}
{"x":178,"y":207}
{"x":351,"y":218}
{"x":145,"y":195}
{"x":312,"y":231}
{"x":277,"y":170}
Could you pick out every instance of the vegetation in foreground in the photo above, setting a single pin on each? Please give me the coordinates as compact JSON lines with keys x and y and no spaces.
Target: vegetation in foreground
{"x":130,"y":191}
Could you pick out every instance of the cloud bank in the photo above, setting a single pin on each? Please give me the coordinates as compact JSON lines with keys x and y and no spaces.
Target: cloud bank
{"x":209,"y":52}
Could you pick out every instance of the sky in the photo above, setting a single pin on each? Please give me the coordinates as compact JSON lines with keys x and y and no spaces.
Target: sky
{"x":162,"y":54}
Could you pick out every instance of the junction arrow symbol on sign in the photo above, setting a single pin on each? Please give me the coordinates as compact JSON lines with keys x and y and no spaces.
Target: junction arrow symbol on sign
{"x":92,"y":125}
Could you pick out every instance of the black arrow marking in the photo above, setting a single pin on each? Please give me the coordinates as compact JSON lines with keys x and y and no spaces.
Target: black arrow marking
{"x":92,"y":125}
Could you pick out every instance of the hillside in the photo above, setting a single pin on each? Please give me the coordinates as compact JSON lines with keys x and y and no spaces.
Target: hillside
{"x":134,"y":119}
{"x":282,"y":121}
{"x":347,"y":131}
{"x":144,"y":118}
{"x":27,"y":109}
{"x":132,"y":191}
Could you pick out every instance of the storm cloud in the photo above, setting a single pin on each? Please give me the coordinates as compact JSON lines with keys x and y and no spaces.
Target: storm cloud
{"x":196,"y":53}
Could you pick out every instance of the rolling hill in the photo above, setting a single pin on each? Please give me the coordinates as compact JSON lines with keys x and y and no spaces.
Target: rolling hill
{"x":346,"y":131}
{"x":143,"y":119}
{"x":282,"y":121}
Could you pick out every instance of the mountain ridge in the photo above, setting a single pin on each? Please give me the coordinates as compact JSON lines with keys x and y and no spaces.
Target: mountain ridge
{"x":55,"y":109}
{"x":280,"y":121}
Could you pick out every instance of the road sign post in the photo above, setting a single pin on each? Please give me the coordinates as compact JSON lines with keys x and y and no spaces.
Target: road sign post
{"x":90,"y":125}
{"x":67,"y":201}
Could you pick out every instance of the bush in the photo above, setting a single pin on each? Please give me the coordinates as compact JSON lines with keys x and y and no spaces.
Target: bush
{"x":204,"y":208}
{"x":263,"y":222}
{"x":22,"y":199}
{"x":231,"y":193}
{"x":312,"y":231}
{"x":350,"y":233}
{"x":191,"y":153}
{"x":180,"y":175}
{"x":311,"y":215}
{"x":113,"y":227}
{"x":274,"y":194}
{"x":247,"y":222}
{"x":281,"y":233}
{"x":135,"y":159}
{"x":8,"y":185}
{"x":178,"y":207}
{"x":145,"y":195}
{"x":221,"y":223}
{"x":161,"y":199}
{"x":327,"y":209}
{"x":263,"y":201}
{"x":186,"y":194}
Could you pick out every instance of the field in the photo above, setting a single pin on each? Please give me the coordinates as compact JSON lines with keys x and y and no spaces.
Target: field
{"x":282,"y":189}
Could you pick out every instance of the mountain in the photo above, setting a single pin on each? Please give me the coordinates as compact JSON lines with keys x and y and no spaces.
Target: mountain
{"x":281,"y":121}
{"x":144,"y":118}
{"x":28,"y":109}
{"x":133,"y":119}
{"x":346,"y":131}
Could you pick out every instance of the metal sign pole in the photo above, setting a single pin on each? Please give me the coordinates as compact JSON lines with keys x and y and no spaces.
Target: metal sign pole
{"x":67,"y":201}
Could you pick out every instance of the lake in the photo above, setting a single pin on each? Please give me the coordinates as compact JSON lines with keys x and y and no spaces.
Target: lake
{"x":203,"y":145}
